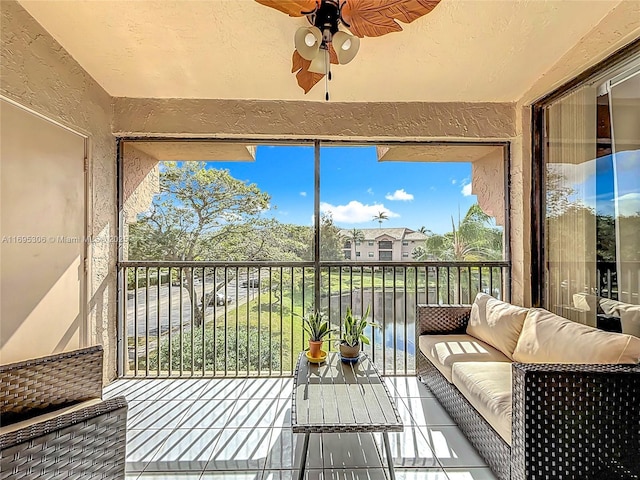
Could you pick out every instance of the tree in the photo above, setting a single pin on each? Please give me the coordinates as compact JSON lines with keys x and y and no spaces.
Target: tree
{"x":196,"y":215}
{"x":356,"y":236}
{"x":473,"y":239}
{"x":331,"y":241}
{"x":419,"y":253}
{"x":381,"y":217}
{"x":558,"y":193}
{"x":269,"y":240}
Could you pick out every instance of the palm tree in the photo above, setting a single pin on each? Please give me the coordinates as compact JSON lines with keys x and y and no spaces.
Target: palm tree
{"x":473,"y":239}
{"x":356,"y":236}
{"x":423,"y":230}
{"x":381,"y":217}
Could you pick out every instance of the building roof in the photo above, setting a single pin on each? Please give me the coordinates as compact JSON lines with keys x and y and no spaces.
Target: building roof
{"x":395,"y":233}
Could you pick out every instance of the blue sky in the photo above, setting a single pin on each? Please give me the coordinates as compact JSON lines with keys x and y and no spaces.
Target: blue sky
{"x":596,"y":182}
{"x":355,"y":187}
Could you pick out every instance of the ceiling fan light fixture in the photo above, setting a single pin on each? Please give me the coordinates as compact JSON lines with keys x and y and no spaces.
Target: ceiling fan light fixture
{"x":310,"y":40}
{"x":307,"y":41}
{"x":346,"y":46}
{"x":362,"y":18}
{"x":319,"y":63}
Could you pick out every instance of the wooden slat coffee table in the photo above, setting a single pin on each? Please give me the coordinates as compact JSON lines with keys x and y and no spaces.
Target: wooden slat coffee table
{"x":336,"y":397}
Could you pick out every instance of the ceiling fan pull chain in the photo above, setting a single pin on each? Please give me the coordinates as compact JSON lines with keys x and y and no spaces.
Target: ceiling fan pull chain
{"x":326,"y":87}
{"x":327,"y":77}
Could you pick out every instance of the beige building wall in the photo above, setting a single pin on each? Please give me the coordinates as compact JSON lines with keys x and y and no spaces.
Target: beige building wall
{"x":140,"y":184}
{"x":370,"y":253}
{"x":42,"y":227}
{"x":407,"y":250}
{"x":487,"y":174}
{"x":37,"y":73}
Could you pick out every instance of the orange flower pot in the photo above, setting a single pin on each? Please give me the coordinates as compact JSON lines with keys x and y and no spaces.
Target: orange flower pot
{"x":314,"y":349}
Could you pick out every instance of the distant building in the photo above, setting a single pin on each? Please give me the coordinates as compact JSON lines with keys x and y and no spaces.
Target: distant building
{"x":382,"y":244}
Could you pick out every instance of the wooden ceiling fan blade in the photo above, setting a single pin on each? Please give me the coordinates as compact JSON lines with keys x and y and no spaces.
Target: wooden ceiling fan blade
{"x":306,"y":79}
{"x":293,"y":8}
{"x":373,"y":18}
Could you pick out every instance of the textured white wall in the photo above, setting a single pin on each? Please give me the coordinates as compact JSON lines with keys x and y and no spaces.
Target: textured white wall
{"x":140,"y":184}
{"x":297,"y":119}
{"x":37,"y":73}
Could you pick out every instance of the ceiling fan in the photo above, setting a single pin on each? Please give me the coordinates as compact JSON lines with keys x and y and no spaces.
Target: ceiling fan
{"x":336,"y":29}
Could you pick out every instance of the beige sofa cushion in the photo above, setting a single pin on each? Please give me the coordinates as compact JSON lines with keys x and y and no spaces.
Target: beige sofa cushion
{"x":629,"y":318}
{"x":496,"y":323}
{"x":444,"y":350}
{"x":609,"y":306}
{"x":628,"y":313}
{"x":487,"y":387}
{"x":586,"y":302}
{"x":549,"y":338}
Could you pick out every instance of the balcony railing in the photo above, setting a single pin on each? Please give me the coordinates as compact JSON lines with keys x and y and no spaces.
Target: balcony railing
{"x":243,"y":319}
{"x":604,"y":279}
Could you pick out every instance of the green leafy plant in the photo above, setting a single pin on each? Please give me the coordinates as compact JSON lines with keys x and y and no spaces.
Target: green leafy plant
{"x":354,"y":327}
{"x":317,"y":327}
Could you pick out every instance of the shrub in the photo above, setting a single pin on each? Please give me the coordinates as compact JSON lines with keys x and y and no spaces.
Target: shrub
{"x":230,"y":352}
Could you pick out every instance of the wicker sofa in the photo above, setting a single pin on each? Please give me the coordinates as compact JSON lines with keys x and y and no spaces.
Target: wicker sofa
{"x":54,"y":423}
{"x":539,"y":396}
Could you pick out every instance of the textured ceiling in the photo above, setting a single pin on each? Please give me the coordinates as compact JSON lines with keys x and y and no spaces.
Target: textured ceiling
{"x":465,"y":50}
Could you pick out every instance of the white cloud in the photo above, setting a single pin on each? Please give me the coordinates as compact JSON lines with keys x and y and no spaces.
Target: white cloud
{"x":399,"y":195}
{"x":466,"y":189}
{"x":370,"y":191}
{"x":355,"y":212}
{"x":454,"y":181}
{"x":303,"y":194}
{"x":629,"y":204}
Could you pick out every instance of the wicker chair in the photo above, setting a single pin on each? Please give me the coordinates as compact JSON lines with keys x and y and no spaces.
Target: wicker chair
{"x":54,"y":424}
{"x":568,"y":421}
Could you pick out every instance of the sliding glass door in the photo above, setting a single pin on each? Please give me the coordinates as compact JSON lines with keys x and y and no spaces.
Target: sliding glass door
{"x":592,"y":201}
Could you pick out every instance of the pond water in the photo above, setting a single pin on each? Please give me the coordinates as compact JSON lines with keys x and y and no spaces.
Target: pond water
{"x":393,"y":343}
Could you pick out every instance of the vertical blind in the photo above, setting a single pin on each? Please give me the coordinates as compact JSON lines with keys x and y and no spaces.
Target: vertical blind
{"x":570,"y":198}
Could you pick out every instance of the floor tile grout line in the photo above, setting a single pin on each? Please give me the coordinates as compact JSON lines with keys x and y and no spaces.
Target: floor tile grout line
{"x":278,"y":401}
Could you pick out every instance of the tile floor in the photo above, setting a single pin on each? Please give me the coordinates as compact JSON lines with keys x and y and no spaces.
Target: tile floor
{"x":239,"y":429}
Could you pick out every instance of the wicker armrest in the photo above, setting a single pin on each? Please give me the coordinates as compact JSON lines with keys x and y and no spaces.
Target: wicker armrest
{"x":62,"y":421}
{"x":442,"y":319}
{"x":586,"y":416}
{"x":43,"y":383}
{"x":87,"y":443}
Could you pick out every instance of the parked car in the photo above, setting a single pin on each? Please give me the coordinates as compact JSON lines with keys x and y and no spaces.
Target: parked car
{"x":219,"y":299}
{"x":251,"y":283}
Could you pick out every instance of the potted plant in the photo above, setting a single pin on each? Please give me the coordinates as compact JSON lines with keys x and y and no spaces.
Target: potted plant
{"x":353,"y":335}
{"x":318,"y":330}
